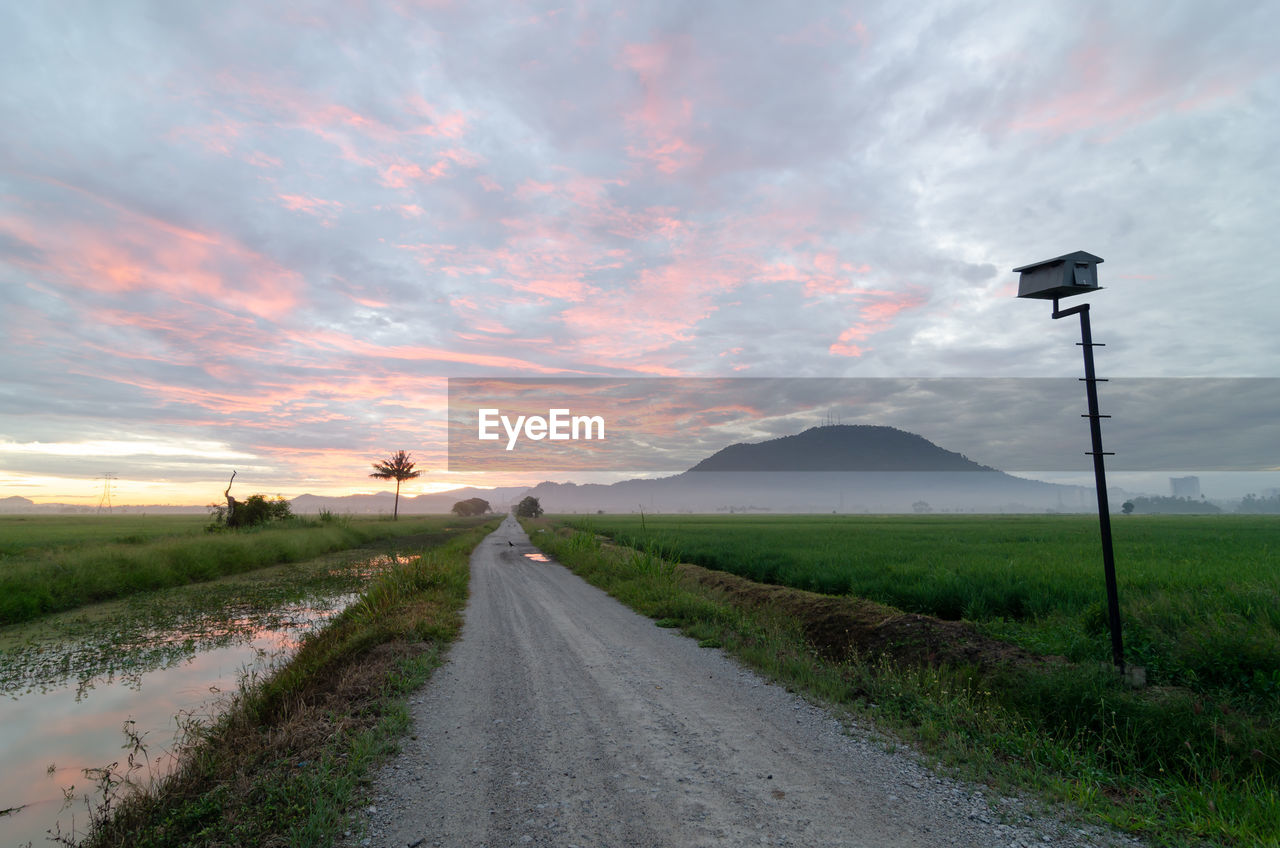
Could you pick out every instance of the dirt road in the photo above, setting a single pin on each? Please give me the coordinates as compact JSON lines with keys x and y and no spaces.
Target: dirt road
{"x":562,"y":718}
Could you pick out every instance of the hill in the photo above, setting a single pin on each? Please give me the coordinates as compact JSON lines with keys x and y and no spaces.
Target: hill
{"x":842,"y":468}
{"x":840,"y":448}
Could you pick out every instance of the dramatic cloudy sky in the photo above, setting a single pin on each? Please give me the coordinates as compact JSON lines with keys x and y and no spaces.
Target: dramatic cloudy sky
{"x":262,"y":236}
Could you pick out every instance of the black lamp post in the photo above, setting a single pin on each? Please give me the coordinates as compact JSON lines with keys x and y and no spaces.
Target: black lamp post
{"x":1053,"y":279}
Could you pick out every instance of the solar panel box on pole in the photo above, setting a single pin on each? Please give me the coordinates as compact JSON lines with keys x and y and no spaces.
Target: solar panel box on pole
{"x":1062,"y":276}
{"x":1053,"y":279}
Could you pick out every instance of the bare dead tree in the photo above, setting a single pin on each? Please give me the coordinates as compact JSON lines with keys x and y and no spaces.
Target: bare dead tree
{"x":231,"y":502}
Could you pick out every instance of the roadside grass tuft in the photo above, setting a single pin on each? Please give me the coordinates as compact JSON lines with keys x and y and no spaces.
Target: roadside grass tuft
{"x":287,"y":759}
{"x":1168,"y":762}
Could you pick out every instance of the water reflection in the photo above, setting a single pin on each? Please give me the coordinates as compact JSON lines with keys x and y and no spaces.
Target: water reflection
{"x":50,"y":737}
{"x":66,"y":699}
{"x":537,"y":557}
{"x":122,"y":654}
{"x":377,"y":565}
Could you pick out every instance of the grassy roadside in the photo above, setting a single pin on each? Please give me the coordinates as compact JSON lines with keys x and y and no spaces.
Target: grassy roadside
{"x":287,"y":759}
{"x":51,"y":566}
{"x":1155,"y":761}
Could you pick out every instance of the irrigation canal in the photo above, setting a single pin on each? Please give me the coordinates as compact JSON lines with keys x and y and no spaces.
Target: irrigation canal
{"x":72,"y":683}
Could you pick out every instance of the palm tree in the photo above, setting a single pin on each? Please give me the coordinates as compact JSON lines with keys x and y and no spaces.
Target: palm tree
{"x":399,"y":468}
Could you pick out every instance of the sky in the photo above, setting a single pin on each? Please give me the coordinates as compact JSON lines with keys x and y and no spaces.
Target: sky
{"x":263,"y":237}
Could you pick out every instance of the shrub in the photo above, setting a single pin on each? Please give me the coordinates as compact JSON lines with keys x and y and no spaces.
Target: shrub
{"x":253,"y":511}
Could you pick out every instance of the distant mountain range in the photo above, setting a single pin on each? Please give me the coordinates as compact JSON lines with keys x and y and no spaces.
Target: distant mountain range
{"x":840,"y":468}
{"x":15,"y":505}
{"x":501,"y":499}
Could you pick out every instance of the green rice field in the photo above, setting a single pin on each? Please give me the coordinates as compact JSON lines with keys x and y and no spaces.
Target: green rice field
{"x":54,"y":563}
{"x":1199,"y":595}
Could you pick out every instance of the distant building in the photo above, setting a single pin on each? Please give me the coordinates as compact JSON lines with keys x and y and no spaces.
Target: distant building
{"x":1185,"y":487}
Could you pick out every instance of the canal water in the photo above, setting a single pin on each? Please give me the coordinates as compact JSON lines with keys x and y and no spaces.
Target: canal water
{"x":71,"y":686}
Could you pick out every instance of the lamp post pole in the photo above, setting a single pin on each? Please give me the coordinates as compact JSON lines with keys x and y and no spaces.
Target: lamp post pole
{"x":1099,"y":474}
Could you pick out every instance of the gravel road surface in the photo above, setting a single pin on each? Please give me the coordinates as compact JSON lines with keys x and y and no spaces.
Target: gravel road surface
{"x":563,"y":718}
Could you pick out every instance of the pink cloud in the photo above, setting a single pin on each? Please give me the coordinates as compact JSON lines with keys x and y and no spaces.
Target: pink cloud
{"x":587,"y":202}
{"x":540,"y":256}
{"x":840,"y":348}
{"x":221,"y":402}
{"x":663,"y":120}
{"x":141,"y":253}
{"x":309,"y":205}
{"x":484,"y":326}
{"x":194,"y":332}
{"x":399,"y":174}
{"x":533,"y":188}
{"x":645,"y":323}
{"x":876,"y":317}
{"x":861,"y":34}
{"x":447,"y":125}
{"x":820,"y":274}
{"x":258,"y":159}
{"x":466,"y":270}
{"x":306,"y":109}
{"x":660,"y":308}
{"x":1107,"y":92}
{"x":644,"y":316}
{"x":824,"y":262}
{"x":462,"y":157}
{"x":361,"y":138}
{"x":333,"y":340}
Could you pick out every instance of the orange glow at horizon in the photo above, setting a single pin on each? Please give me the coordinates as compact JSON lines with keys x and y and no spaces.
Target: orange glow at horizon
{"x":88,"y":491}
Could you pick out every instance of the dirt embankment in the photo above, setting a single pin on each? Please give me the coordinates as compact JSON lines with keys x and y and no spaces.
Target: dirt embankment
{"x":839,"y":626}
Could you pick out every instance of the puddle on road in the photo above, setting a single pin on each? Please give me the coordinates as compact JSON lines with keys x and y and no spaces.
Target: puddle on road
{"x":70,"y":682}
{"x":538,"y":557}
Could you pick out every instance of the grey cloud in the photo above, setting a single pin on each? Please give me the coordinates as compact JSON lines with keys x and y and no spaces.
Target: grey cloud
{"x":897,"y":147}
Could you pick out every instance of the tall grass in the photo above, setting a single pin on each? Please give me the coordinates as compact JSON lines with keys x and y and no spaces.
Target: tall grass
{"x":77,"y":564}
{"x":27,"y":533}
